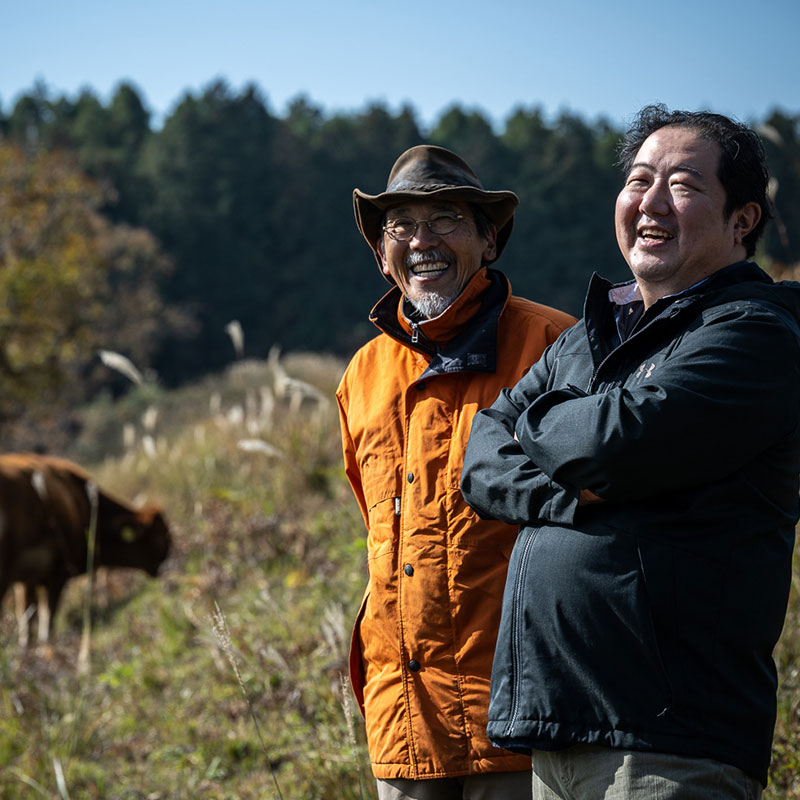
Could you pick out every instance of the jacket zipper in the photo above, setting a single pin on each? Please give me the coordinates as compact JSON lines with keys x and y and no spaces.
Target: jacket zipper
{"x":414,"y":332}
{"x":517,"y":613}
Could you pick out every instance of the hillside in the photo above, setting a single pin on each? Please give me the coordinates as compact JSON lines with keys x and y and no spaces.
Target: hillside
{"x":225,"y":677}
{"x":248,"y":470}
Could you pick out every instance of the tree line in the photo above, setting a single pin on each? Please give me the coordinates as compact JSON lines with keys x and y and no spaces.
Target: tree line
{"x":149,"y":241}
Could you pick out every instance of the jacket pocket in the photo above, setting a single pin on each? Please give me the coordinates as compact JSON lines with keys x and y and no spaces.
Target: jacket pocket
{"x":629,"y":660}
{"x":684,"y":593}
{"x":382,"y":496}
{"x":356,"y":660}
{"x":515,"y":621}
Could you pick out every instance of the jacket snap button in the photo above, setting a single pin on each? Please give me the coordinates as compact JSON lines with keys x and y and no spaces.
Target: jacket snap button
{"x":411,"y":477}
{"x":414,"y":665}
{"x":408,"y":569}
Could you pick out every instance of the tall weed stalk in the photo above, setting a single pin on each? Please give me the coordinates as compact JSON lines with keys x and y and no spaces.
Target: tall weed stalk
{"x":223,"y":636}
{"x":347,"y":705}
{"x":84,"y":655}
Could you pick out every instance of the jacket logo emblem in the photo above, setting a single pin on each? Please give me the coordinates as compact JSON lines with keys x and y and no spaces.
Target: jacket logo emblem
{"x":646,"y":369}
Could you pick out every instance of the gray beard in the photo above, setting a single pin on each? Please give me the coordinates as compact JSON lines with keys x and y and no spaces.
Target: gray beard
{"x":431,"y":304}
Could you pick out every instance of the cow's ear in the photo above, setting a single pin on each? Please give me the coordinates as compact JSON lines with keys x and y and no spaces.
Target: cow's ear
{"x":129,"y":533}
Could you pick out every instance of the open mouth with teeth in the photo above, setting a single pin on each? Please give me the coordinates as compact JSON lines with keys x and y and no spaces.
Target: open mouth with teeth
{"x":428,"y":265}
{"x":655,"y":235}
{"x":429,"y":269}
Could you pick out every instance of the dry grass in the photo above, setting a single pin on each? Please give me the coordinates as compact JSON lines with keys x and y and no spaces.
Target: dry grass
{"x":272,"y":537}
{"x":275,"y":541}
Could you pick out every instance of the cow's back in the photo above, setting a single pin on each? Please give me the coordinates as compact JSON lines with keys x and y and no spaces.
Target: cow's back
{"x":43,"y":506}
{"x":21,"y":507}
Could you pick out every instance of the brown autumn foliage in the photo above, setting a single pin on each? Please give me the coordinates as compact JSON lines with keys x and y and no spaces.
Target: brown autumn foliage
{"x":71,"y":282}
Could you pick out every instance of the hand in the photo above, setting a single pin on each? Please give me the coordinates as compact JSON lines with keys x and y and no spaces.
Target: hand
{"x":587,"y":498}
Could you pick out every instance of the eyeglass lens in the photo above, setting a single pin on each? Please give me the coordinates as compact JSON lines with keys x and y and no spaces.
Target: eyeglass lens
{"x":404,"y":228}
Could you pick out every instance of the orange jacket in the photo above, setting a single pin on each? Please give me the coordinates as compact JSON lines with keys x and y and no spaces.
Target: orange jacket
{"x":425,"y":635}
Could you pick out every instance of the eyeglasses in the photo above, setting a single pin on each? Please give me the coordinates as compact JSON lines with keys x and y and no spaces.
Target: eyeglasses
{"x":403,"y":229}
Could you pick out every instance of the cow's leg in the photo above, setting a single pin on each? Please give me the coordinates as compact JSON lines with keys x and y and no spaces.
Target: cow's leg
{"x":5,"y":583}
{"x":54,"y":589}
{"x":43,"y":612}
{"x":20,"y":613}
{"x":102,"y":588}
{"x":25,"y":607}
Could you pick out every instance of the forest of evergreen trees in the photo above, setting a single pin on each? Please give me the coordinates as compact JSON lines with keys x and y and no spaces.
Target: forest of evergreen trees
{"x":244,"y":214}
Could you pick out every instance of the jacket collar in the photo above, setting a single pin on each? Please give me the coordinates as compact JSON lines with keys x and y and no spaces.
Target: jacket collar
{"x":602,"y":292}
{"x":463,"y":337}
{"x":605,"y":301}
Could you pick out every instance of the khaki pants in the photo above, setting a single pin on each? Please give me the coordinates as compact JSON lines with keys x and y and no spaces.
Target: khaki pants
{"x":491,"y":786}
{"x":589,"y":772}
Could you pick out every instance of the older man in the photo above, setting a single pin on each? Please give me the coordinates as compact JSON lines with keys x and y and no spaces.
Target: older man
{"x":452,"y":336}
{"x":652,"y":458}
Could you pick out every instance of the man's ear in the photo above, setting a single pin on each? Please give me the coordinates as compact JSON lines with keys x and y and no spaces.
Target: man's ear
{"x":490,"y":251}
{"x":381,"y":253}
{"x":745,"y":219}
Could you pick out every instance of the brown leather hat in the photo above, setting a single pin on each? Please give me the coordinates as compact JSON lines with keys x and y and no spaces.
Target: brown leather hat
{"x":422,"y":173}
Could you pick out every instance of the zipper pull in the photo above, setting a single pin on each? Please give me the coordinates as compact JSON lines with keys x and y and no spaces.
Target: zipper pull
{"x":414,"y":332}
{"x":397,"y":506}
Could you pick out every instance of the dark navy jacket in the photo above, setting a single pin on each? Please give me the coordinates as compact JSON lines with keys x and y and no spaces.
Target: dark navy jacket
{"x":648,"y":621}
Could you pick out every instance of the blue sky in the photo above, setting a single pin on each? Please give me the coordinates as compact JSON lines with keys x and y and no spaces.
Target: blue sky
{"x":595,"y":58}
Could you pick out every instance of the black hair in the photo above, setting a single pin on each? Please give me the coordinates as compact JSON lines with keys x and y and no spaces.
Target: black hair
{"x":483,"y":224}
{"x":742,"y":171}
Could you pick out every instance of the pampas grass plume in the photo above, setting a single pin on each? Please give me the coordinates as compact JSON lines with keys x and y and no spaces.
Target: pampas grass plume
{"x":121,"y":364}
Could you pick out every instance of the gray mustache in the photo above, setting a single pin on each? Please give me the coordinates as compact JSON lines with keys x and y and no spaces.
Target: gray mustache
{"x":416,"y":257}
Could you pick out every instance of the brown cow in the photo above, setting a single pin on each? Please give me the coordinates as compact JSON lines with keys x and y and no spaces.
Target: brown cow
{"x":45,"y":513}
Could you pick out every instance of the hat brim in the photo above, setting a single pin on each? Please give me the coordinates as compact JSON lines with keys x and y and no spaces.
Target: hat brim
{"x":499,"y":206}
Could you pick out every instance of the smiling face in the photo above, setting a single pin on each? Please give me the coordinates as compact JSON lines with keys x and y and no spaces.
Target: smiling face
{"x":432,"y":270}
{"x":670,"y":220}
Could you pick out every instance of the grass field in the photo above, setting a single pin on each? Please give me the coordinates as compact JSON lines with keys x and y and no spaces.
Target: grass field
{"x":224,"y":678}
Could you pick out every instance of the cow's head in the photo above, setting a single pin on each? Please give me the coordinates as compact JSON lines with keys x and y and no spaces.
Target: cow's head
{"x":137,"y":539}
